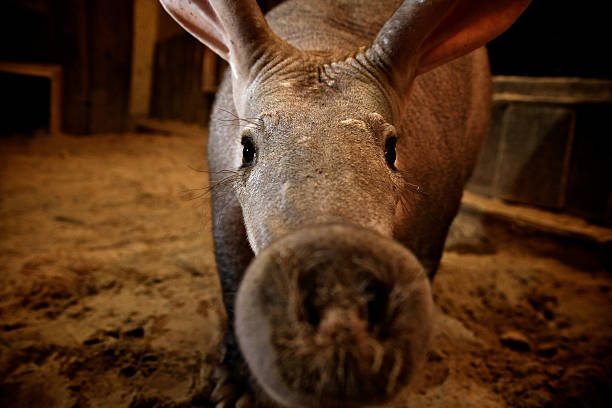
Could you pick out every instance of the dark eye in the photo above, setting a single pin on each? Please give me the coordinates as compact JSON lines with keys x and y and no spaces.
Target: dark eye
{"x":248,"y":151}
{"x":390,"y":154}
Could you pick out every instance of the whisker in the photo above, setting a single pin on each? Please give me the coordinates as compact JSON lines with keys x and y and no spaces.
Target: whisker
{"x":252,"y":121}
{"x":229,"y":121}
{"x":231,"y":125}
{"x":213,"y":172}
{"x":186,"y":194}
{"x":416,"y":188}
{"x":233,"y":114}
{"x":222,"y":182}
{"x":411,"y":186}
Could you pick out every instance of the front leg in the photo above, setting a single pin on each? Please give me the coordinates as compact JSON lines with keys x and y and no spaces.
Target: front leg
{"x":234,"y":384}
{"x":233,"y":254}
{"x":232,"y":250}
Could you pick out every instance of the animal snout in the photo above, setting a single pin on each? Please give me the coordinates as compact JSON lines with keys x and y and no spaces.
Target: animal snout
{"x":336,"y":312}
{"x":329,"y":319}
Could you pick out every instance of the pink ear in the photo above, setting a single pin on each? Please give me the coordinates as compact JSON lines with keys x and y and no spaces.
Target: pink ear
{"x":470,"y":24}
{"x":236,"y":30}
{"x":200,"y":19}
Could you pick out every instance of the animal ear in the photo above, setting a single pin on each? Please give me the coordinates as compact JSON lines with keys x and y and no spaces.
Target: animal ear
{"x":470,"y":24}
{"x":236,"y":30}
{"x":423,"y":34}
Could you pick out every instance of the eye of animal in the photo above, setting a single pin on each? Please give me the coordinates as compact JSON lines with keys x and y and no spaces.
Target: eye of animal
{"x":248,"y":151}
{"x":390,"y":154}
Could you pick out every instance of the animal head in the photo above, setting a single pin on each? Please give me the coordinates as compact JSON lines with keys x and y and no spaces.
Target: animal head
{"x":293,"y":97}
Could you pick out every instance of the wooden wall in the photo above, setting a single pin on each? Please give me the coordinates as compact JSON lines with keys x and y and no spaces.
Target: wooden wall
{"x":177,"y":81}
{"x":95,"y":49}
{"x":549,"y":145}
{"x":91,"y":39}
{"x":182,"y":87}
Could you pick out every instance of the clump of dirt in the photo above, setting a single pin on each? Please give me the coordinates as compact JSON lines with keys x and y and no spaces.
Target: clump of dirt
{"x":109,"y":294}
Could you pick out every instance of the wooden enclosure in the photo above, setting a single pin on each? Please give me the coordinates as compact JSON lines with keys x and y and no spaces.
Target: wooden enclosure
{"x":124,"y":61}
{"x":549,"y":145}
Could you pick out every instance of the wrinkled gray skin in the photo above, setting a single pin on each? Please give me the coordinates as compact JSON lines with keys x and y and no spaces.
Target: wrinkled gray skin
{"x":320,"y":138}
{"x":320,"y":133}
{"x":335,"y":309}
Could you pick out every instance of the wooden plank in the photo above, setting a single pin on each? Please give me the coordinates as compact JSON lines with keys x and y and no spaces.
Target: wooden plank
{"x":159,"y":94}
{"x":110,"y":32}
{"x":533,"y":164}
{"x":204,"y":100}
{"x":209,"y":71}
{"x":177,"y":90}
{"x":176,"y":73}
{"x":483,"y":177}
{"x":50,"y":71}
{"x":559,"y":224}
{"x":200,"y":99}
{"x":590,"y":178}
{"x":552,"y":90}
{"x":71,"y":50}
{"x":55,"y":105}
{"x":143,"y":49}
{"x":189,"y":79}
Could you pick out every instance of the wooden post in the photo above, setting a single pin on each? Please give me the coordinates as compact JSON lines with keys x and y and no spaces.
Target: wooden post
{"x":209,"y":71}
{"x":55,"y":102}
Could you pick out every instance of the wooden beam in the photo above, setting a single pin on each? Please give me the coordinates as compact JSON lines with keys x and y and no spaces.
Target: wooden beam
{"x":209,"y":71}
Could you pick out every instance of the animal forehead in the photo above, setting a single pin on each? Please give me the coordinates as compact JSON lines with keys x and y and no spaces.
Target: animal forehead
{"x":322,"y":119}
{"x":307,"y":91}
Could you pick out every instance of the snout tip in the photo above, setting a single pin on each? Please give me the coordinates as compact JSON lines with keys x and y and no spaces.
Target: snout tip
{"x":334,"y":316}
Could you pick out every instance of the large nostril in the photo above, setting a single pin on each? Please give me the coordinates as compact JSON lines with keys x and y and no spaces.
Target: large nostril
{"x":311,"y":312}
{"x":308,"y":310}
{"x":377,"y":295}
{"x":371,"y":300}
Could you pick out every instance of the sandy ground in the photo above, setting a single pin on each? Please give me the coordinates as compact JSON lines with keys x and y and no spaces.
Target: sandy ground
{"x":109,"y":295}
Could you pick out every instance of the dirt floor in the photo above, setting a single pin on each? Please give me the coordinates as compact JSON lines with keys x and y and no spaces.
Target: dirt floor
{"x":109,"y":295}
